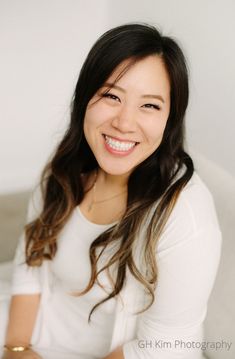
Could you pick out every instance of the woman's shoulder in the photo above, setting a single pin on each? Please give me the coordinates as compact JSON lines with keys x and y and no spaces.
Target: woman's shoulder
{"x":192,"y":223}
{"x":196,"y":203}
{"x":35,"y":203}
{"x":193,"y":217}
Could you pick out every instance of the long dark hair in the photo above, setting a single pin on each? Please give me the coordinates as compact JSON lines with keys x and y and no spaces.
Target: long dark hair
{"x":163,"y":175}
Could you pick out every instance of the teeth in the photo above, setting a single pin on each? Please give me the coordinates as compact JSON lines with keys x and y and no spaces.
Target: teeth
{"x":119,"y":146}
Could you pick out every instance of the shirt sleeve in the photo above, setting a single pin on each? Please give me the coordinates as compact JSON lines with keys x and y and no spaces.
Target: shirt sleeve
{"x":26,"y":279}
{"x":188,"y":256}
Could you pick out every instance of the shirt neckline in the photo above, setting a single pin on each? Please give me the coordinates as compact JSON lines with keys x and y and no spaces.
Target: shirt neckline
{"x":93,"y":224}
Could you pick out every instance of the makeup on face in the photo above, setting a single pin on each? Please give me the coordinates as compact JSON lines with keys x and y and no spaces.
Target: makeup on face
{"x":125,"y":121}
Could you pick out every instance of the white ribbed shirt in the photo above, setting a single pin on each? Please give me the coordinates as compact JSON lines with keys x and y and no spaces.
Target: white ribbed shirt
{"x":188,"y":254}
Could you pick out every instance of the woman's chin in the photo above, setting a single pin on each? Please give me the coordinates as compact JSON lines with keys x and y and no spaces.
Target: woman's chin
{"x":115,"y":170}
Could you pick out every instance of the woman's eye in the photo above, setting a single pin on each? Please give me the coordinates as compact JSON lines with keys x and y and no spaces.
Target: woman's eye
{"x":153,"y":106}
{"x":111,"y":96}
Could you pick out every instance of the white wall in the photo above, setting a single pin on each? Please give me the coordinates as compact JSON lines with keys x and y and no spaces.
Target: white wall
{"x":43,"y":44}
{"x":206,"y":30}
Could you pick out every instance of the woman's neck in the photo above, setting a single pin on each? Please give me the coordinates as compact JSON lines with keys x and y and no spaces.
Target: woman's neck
{"x":112,"y":182}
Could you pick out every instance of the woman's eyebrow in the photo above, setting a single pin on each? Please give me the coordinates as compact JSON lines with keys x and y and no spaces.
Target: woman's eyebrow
{"x":159,"y":97}
{"x":109,"y":84}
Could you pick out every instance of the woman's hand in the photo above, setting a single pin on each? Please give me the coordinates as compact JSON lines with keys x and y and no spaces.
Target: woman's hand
{"x":27,"y":354}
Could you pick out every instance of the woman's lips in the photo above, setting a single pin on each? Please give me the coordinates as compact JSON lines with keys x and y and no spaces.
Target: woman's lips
{"x":118,"y":146}
{"x":119,"y":139}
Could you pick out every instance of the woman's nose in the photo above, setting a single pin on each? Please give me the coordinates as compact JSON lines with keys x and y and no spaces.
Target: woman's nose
{"x":125,"y":119}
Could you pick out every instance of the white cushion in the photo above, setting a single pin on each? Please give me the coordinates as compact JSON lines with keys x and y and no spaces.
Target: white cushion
{"x":219,"y":324}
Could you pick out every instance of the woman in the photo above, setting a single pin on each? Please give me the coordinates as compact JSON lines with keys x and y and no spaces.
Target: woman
{"x":122,"y":244}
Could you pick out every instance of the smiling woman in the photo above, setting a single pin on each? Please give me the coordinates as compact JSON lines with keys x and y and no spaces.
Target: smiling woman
{"x":122,"y":243}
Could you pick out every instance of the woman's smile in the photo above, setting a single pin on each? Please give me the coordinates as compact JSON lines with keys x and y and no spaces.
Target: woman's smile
{"x":118,"y":146}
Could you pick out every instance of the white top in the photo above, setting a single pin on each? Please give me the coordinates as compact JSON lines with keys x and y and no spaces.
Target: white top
{"x":187,"y":253}
{"x":62,"y":323}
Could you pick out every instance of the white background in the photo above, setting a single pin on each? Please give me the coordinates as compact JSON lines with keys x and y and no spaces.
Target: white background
{"x":44,"y":43}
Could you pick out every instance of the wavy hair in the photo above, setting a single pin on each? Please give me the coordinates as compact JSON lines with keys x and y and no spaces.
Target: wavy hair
{"x":163,"y":174}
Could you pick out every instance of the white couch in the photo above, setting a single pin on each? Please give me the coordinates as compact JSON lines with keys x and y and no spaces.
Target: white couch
{"x":220,"y":321}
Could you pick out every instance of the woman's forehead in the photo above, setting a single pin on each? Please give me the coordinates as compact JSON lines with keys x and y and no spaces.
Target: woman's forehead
{"x":147,"y":74}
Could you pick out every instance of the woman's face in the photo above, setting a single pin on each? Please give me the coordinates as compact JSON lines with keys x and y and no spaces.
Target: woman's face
{"x":125,"y":125}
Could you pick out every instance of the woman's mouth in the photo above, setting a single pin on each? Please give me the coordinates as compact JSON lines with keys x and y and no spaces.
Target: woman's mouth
{"x":122,"y":147}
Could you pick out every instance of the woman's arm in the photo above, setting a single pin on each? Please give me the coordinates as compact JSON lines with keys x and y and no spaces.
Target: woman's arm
{"x":116,"y":354}
{"x":22,"y":316}
{"x":188,"y":255}
{"x":26,"y":294}
{"x":26,"y":288}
